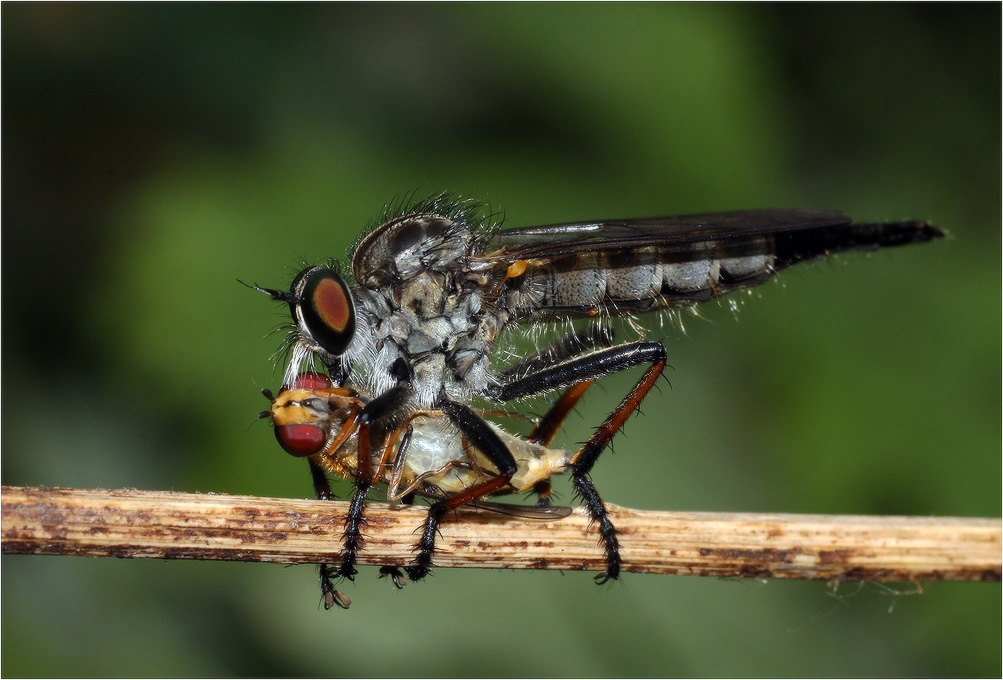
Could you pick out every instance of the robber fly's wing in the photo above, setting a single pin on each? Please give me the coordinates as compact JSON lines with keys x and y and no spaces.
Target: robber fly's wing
{"x":583,"y":269}
{"x":728,"y":234}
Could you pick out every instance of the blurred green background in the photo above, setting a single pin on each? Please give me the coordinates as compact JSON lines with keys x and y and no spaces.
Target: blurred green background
{"x":153,"y":154}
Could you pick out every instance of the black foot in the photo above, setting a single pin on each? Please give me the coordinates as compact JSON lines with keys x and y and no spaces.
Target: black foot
{"x":422,"y":566}
{"x":395,"y":574}
{"x":331,"y":595}
{"x":352,"y":537}
{"x":607,"y":532}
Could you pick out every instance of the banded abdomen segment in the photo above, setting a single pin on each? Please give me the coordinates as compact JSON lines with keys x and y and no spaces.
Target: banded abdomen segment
{"x":626,"y":278}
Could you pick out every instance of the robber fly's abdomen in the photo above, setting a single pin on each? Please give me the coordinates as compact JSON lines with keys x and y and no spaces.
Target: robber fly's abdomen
{"x":633,"y":281}
{"x":625,"y":280}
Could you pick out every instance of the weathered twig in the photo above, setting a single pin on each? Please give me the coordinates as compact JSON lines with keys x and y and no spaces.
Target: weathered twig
{"x":134,"y":524}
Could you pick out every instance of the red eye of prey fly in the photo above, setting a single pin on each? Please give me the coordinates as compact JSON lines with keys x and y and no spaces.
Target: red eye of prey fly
{"x":308,"y":380}
{"x":300,"y":440}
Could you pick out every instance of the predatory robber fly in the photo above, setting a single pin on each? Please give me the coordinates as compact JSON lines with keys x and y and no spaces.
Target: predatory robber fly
{"x":407,"y":334}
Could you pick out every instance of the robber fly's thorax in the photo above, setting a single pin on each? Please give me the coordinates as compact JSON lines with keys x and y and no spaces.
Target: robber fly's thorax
{"x":421,"y":302}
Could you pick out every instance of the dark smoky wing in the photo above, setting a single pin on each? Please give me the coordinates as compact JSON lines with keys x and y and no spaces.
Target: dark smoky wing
{"x":536,"y":512}
{"x":736,"y":233}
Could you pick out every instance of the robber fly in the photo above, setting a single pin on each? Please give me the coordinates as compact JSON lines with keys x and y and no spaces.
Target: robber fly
{"x":434,"y":285}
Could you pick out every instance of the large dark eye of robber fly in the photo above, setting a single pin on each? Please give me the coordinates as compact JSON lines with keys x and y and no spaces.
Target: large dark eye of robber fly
{"x":323,"y":307}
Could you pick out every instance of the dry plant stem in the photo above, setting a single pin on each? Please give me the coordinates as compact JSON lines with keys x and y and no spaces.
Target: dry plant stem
{"x":132,"y":524}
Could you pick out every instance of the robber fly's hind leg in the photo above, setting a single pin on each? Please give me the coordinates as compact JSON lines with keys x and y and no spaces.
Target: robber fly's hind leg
{"x":578,"y":372}
{"x":480,"y":435}
{"x":548,"y":426}
{"x":586,"y":457}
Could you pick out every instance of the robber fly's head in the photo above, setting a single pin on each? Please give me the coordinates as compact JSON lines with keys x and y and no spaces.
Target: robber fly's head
{"x":323,"y":314}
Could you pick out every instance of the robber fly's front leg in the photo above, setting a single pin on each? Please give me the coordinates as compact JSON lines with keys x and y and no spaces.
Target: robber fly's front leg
{"x":480,"y":435}
{"x":331,"y":596}
{"x":576,"y":373}
{"x":387,"y":406}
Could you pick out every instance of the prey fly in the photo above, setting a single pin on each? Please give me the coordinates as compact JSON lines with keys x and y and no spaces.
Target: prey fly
{"x":425,"y":455}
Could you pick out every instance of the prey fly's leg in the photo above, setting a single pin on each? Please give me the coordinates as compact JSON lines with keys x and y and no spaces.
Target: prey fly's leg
{"x":480,"y":435}
{"x":575,"y":372}
{"x":331,"y":596}
{"x":401,"y":438}
{"x":547,"y":428}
